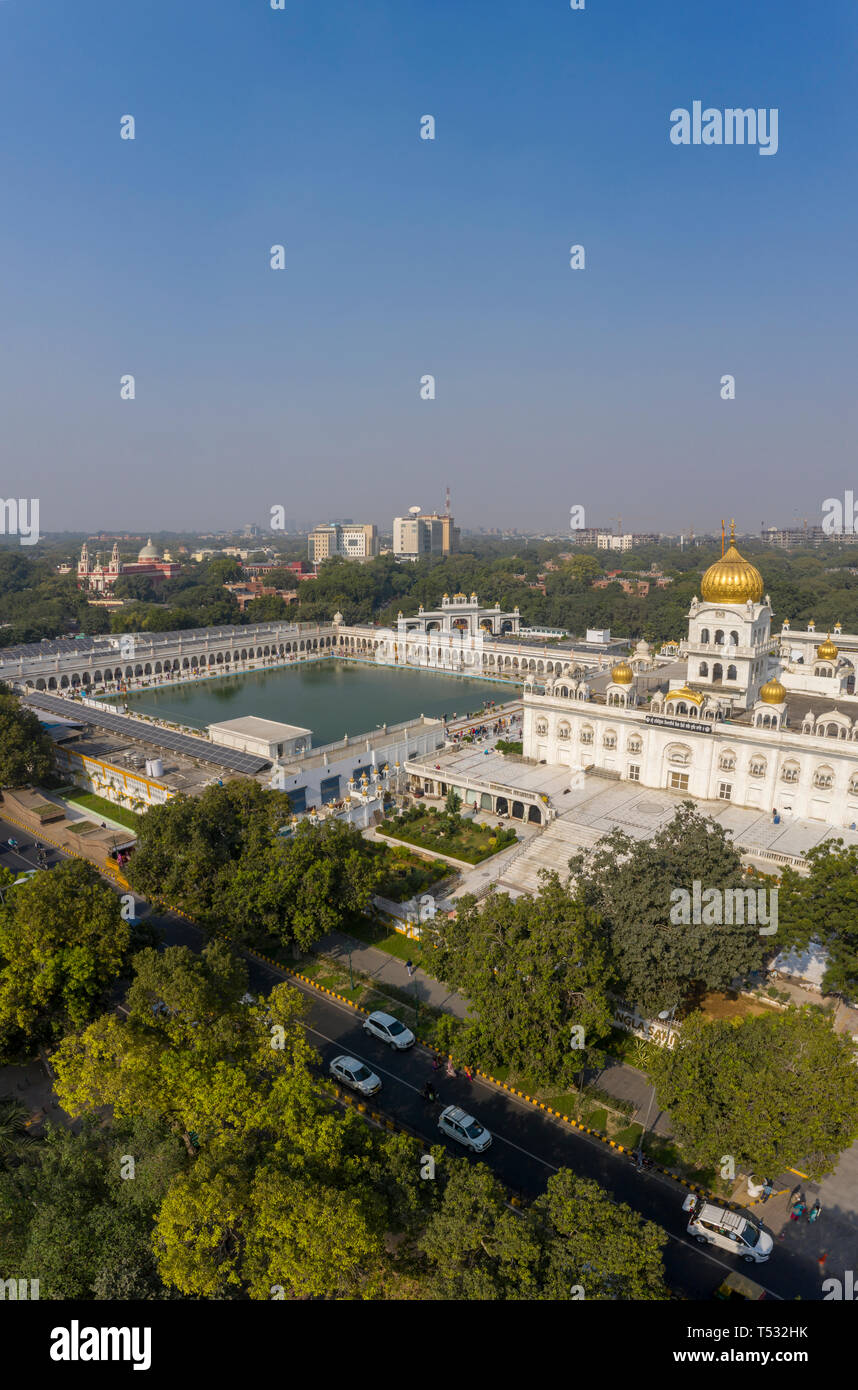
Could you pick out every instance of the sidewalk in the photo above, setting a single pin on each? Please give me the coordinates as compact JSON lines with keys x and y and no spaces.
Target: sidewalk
{"x":387,"y":969}
{"x":619,"y":1080}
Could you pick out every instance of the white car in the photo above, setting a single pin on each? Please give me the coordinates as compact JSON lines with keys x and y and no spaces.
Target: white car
{"x":459,"y":1125}
{"x":729,"y":1230}
{"x":352,"y":1072}
{"x":389,"y":1030}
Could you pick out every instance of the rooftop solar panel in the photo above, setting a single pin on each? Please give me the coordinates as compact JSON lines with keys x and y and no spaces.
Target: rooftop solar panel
{"x":139,"y":729}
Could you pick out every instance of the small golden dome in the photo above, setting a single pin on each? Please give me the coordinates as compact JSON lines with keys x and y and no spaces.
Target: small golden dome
{"x":622,"y":674}
{"x":683,"y":693}
{"x":811,"y":626}
{"x":772,"y":693}
{"x":732,"y":579}
{"x":827,"y":651}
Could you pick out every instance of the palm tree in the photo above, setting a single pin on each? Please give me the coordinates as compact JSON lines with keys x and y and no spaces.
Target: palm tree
{"x":15,"y":1137}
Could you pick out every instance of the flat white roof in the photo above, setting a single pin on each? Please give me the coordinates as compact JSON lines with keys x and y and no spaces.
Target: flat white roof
{"x":254,"y":727}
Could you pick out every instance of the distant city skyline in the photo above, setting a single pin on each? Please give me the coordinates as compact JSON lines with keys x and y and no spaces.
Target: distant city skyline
{"x":406,"y":258}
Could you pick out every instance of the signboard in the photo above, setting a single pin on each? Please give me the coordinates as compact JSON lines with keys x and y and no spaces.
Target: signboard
{"x":692,"y":725}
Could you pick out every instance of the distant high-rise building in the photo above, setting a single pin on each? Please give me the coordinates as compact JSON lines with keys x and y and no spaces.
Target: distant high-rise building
{"x":351,"y":540}
{"x":424,"y":533}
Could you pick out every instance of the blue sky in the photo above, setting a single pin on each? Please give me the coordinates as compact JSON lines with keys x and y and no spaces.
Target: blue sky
{"x":404,"y":257}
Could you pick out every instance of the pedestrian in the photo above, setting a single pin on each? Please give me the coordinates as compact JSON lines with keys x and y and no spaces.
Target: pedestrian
{"x":410,"y":968}
{"x":449,"y":1069}
{"x":768,"y":1189}
{"x":813,"y":1214}
{"x":468,"y":1073}
{"x":798,"y":1210}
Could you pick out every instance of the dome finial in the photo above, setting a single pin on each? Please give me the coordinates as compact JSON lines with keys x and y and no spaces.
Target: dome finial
{"x":732,"y":530}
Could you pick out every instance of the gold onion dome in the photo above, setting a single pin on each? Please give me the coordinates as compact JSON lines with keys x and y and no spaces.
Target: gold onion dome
{"x":772,"y":693}
{"x":622,"y":674}
{"x":683,"y":692}
{"x":827,"y":651}
{"x":732,"y":579}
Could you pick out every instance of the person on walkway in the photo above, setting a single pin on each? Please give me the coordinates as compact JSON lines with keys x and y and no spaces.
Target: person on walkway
{"x":468,"y":1073}
{"x":409,"y":966}
{"x":449,"y":1069}
{"x":813,"y":1214}
{"x":798,"y":1210}
{"x":768,"y":1189}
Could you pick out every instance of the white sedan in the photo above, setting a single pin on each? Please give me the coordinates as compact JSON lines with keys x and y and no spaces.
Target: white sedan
{"x":352,"y":1072}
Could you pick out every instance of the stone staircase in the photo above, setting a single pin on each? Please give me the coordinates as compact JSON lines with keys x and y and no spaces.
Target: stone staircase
{"x":551,"y":850}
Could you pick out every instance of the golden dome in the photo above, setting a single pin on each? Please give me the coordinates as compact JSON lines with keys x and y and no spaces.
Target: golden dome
{"x":827,"y":651}
{"x":772,"y":693}
{"x":622,"y":674}
{"x":683,"y":693}
{"x":732,"y":579}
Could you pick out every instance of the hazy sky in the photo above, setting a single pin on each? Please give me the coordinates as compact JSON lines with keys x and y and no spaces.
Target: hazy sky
{"x":300,"y":387}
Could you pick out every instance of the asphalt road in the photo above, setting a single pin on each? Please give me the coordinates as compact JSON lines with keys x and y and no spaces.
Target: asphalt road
{"x":527,"y":1147}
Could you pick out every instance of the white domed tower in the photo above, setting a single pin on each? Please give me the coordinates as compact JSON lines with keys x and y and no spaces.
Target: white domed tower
{"x":729,"y":630}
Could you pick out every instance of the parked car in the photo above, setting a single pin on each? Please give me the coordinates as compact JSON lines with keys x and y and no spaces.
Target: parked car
{"x":389,"y":1030}
{"x":352,"y":1072}
{"x":728,"y":1230}
{"x":459,"y":1125}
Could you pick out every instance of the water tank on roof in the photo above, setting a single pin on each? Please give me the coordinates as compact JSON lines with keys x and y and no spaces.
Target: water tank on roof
{"x":154,"y":767}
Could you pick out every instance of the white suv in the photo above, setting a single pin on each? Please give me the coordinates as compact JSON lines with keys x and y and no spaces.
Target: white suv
{"x":459,"y":1125}
{"x":389,"y":1030}
{"x":729,"y":1230}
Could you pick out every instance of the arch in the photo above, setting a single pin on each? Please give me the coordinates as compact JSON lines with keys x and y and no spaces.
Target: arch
{"x":703,"y":669}
{"x":704,"y":636}
{"x":517,"y":810}
{"x":502,"y":806}
{"x":534,"y":815}
{"x":731,"y":673}
{"x":791,"y":771}
{"x":717,"y":673}
{"x":564,"y":729}
{"x":719,"y":638}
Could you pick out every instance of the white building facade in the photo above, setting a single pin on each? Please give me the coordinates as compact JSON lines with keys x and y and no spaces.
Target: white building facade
{"x":744,"y":725}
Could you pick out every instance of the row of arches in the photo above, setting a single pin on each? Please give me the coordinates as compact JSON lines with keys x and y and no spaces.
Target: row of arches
{"x":175,"y":667}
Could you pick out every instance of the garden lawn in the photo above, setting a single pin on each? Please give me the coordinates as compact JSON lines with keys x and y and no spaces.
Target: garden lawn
{"x":100,"y":806}
{"x":471,"y":842}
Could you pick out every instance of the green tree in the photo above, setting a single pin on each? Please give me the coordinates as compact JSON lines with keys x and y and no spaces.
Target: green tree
{"x":589,"y":1240}
{"x":79,"y":1219}
{"x":656,"y":963}
{"x":822,"y":907}
{"x":16,"y":1141}
{"x":535,"y":971}
{"x":476,"y":1246}
{"x":26,"y":751}
{"x":774,"y":1091}
{"x":62,"y":942}
{"x":277,"y":1192}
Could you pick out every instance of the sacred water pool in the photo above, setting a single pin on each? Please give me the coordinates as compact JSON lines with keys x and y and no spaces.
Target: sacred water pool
{"x":330,"y":697}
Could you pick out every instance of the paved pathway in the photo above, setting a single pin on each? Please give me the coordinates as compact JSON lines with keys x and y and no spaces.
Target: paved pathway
{"x":387,"y":969}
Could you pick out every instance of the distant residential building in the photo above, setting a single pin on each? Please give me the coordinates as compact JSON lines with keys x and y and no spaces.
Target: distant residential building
{"x":350,"y":540}
{"x":792,"y":538}
{"x":424,"y":533}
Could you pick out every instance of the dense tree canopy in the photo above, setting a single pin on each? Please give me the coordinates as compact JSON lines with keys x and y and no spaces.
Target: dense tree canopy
{"x":26,"y":751}
{"x":822,"y":906}
{"x":219,"y":857}
{"x":62,"y":942}
{"x":773,"y":1092}
{"x":657,"y":964}
{"x":533,"y":969}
